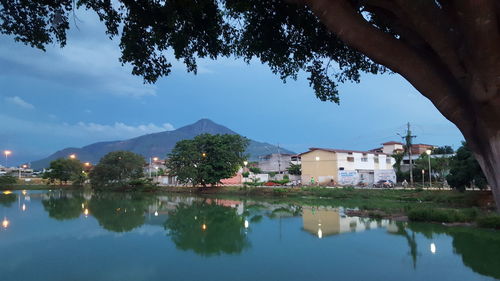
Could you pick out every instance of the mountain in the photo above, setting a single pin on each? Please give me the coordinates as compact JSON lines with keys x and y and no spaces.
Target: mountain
{"x":156,"y":145}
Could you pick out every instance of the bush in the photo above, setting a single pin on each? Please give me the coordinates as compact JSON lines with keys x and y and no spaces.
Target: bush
{"x":441,"y":215}
{"x":7,"y":180}
{"x":255,"y":170}
{"x":491,"y":221}
{"x":245,"y":174}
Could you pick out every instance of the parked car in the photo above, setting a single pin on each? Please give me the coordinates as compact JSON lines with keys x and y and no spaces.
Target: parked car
{"x":384,"y":184}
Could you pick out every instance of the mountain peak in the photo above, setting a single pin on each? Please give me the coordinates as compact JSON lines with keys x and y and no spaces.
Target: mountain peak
{"x":205,"y":125}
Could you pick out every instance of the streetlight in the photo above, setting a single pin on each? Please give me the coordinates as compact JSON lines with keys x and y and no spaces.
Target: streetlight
{"x":72,"y":156}
{"x":428,"y":151}
{"x":150,"y":160}
{"x":423,"y":173}
{"x":7,"y":153}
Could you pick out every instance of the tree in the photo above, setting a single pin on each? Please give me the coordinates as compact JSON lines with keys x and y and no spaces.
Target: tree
{"x":295,"y":169}
{"x":443,"y":150}
{"x":64,"y":170}
{"x":255,"y":170}
{"x":207,"y":158}
{"x":398,"y":157}
{"x":117,"y":168}
{"x":7,"y":180}
{"x":465,"y":170}
{"x":448,"y":50}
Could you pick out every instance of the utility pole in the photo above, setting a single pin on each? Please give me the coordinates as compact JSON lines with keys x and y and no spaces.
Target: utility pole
{"x":408,"y":143}
{"x":279,"y":159}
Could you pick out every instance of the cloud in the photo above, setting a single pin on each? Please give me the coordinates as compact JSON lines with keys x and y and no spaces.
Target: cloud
{"x":81,"y":132}
{"x":19,"y":102}
{"x":120,"y":129}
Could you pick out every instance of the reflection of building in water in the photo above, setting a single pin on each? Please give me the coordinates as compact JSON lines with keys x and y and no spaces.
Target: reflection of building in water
{"x":325,"y":221}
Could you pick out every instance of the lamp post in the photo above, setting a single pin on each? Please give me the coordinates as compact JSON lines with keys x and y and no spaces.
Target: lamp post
{"x":428,"y":151}
{"x":6,"y":153}
{"x":423,"y":173}
{"x":72,"y":156}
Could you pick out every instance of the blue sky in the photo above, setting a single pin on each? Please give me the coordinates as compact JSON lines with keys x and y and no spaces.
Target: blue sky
{"x":82,"y":94}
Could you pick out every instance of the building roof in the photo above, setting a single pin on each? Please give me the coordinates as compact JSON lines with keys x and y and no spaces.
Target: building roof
{"x":423,"y":144}
{"x":341,"y":151}
{"x":392,"y":142}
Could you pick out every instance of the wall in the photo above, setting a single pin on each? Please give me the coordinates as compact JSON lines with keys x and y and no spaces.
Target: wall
{"x":323,"y":170}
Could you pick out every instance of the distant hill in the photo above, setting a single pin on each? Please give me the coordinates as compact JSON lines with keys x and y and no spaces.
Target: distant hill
{"x":156,"y":145}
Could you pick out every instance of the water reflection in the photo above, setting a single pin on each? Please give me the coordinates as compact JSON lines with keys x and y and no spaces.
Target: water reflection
{"x":222,"y":227}
{"x":119,"y":212}
{"x":207,"y":229}
{"x":8,"y":199}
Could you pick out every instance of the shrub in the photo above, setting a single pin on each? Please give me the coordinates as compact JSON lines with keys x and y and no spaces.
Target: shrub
{"x":255,"y":170}
{"x":245,"y":174}
{"x":440,"y":215}
{"x":491,"y":221}
{"x":7,"y":180}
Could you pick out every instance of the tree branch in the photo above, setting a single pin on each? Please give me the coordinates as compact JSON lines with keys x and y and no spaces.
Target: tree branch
{"x":341,"y":18}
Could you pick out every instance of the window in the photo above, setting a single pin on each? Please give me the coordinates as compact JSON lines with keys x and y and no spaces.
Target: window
{"x":375,"y":159}
{"x":350,"y":159}
{"x":341,"y":168}
{"x":364,"y":159}
{"x":388,"y":160}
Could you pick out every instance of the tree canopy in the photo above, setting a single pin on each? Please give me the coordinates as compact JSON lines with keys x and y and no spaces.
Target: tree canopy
{"x":64,"y":170}
{"x":465,"y":171}
{"x":207,"y":158}
{"x":117,"y":168}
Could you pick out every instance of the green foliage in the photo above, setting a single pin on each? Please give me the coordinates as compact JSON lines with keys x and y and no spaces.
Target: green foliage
{"x":286,"y":177}
{"x":207,"y":229}
{"x":465,"y":170}
{"x":295,"y":169}
{"x":64,"y":170}
{"x":118,"y":168}
{"x":245,"y":174}
{"x":255,"y":170}
{"x":398,"y":157}
{"x":285,"y":36}
{"x":443,"y":150}
{"x":441,"y":215}
{"x":207,"y":158}
{"x":272,"y":174}
{"x":7,"y":180}
{"x":491,"y":221}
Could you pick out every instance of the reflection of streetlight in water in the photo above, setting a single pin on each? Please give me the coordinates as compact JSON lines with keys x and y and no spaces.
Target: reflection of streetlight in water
{"x":86,"y":212}
{"x":5,"y":223}
{"x":433,"y":248}
{"x":203,"y":227}
{"x":23,"y":207}
{"x":246,"y":223}
{"x":320,"y":232}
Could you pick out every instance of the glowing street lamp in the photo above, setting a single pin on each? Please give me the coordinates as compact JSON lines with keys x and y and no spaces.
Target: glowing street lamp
{"x":72,"y":156}
{"x":433,"y":248}
{"x":86,"y":164}
{"x":428,"y":151}
{"x":6,"y":153}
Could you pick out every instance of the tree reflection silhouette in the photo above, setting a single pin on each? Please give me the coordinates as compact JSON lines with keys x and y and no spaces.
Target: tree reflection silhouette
{"x":207,"y":229}
{"x":63,"y":208}
{"x":119,"y":212}
{"x":6,"y":200}
{"x":479,"y":248}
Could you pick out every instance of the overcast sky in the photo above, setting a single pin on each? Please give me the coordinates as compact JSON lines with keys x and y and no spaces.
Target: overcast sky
{"x":82,"y":94}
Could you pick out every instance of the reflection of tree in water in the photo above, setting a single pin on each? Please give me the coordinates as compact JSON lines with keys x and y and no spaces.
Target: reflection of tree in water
{"x":479,"y":248}
{"x":410,"y":239}
{"x":64,"y":207}
{"x":119,"y":212}
{"x":480,"y":251}
{"x":7,"y":199}
{"x":207,"y":229}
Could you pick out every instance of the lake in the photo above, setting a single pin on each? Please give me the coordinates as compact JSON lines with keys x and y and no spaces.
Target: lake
{"x":64,"y":235}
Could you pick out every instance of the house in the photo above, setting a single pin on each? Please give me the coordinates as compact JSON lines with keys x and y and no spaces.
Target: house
{"x":326,"y":166}
{"x":276,"y":162}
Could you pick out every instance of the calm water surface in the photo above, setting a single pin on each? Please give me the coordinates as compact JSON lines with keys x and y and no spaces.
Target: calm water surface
{"x":108,"y":236}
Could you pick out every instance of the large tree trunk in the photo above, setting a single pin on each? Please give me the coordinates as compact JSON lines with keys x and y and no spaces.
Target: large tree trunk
{"x":487,"y":153}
